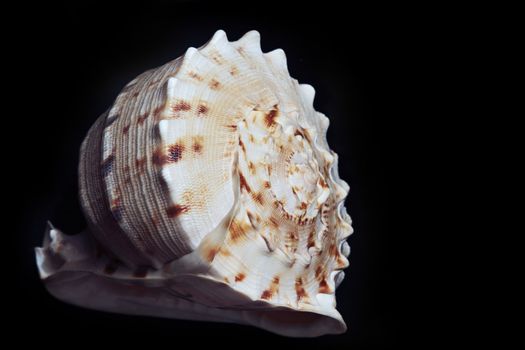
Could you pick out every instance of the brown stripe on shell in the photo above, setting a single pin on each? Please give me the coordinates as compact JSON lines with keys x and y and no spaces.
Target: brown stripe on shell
{"x":273,"y":222}
{"x":269,"y":118}
{"x":258,"y":197}
{"x":272,"y":289}
{"x":237,"y":230}
{"x":311,"y":239}
{"x":244,"y":183}
{"x":243,"y":147}
{"x":157,"y":112}
{"x":210,"y":253}
{"x":299,"y":290}
{"x":158,"y":157}
{"x":176,"y":209}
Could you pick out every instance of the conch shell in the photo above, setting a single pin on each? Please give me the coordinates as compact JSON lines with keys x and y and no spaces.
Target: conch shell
{"x":210,"y":194}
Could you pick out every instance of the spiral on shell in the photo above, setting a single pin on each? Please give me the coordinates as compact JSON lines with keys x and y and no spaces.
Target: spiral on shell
{"x":210,"y":193}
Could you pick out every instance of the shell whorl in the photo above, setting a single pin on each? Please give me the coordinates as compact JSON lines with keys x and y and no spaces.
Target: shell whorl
{"x":220,"y":155}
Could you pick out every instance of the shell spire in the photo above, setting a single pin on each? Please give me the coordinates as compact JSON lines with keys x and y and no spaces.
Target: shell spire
{"x":211,"y":180}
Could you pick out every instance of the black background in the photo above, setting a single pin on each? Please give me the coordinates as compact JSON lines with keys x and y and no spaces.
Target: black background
{"x":373,"y":68}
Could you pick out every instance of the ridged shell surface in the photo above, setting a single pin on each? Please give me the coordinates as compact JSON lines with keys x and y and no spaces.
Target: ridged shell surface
{"x":213,"y":172}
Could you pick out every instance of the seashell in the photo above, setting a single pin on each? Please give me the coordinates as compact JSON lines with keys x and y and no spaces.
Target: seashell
{"x":211,"y":194}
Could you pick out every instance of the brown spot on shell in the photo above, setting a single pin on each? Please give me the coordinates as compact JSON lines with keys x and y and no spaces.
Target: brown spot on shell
{"x":303,"y":206}
{"x":244,"y":184}
{"x":210,"y":254}
{"x":224,"y":252}
{"x":195,"y":76}
{"x":232,"y":127}
{"x":311,"y":239}
{"x":234,"y":71}
{"x":176,"y":210}
{"x":299,"y":290}
{"x":197,"y":144}
{"x":158,"y":157}
{"x":142,"y":118}
{"x":140,"y":163}
{"x":241,"y":51}
{"x":125,"y":129}
{"x":267,"y":184}
{"x":215,"y":84}
{"x":181,"y":106}
{"x":175,"y":152}
{"x":155,"y":82}
{"x":217,"y":60}
{"x":237,"y":230}
{"x":157,"y":111}
{"x":202,"y":109}
{"x":251,"y":167}
{"x":140,"y":272}
{"x":298,"y":133}
{"x":270,"y":117}
{"x":239,"y":277}
{"x":272,"y":290}
{"x":135,"y":94}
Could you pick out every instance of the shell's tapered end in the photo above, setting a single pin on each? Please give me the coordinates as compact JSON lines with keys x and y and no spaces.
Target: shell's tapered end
{"x":61,"y":251}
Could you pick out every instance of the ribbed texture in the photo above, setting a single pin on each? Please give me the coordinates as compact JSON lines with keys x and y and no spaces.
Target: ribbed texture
{"x":95,"y":203}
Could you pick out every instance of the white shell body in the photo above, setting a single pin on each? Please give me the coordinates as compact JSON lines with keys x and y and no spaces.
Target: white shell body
{"x":211,"y":194}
